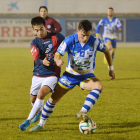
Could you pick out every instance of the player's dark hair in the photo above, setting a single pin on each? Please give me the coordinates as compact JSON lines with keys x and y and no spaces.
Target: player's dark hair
{"x":43,"y":7}
{"x":111,"y":8}
{"x":85,"y":25}
{"x":37,"y":21}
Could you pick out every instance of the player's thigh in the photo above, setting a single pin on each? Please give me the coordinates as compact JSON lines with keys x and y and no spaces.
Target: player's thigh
{"x":114,"y":45}
{"x":59,"y":92}
{"x":47,"y":86}
{"x":92,"y":83}
{"x":109,"y":46}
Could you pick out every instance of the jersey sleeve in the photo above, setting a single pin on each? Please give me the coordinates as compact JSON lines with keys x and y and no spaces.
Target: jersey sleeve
{"x":60,"y":38}
{"x":98,"y":27}
{"x":119,"y":25}
{"x":63,"y":48}
{"x":34,"y":50}
{"x":100,"y":45}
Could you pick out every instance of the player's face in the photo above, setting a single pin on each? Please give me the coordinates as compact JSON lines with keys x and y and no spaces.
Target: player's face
{"x":110,"y":12}
{"x":43,"y":13}
{"x":83,"y":36}
{"x":40,"y":31}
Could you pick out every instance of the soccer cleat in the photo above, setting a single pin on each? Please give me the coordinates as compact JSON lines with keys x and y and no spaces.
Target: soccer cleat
{"x":36,"y":118}
{"x":37,"y":128}
{"x":105,"y":61}
{"x":24,"y":125}
{"x":82,"y":115}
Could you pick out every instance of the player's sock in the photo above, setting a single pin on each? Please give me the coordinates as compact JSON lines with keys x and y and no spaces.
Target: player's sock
{"x":32,"y":104}
{"x":90,"y":100}
{"x":46,"y":112}
{"x":37,"y":106}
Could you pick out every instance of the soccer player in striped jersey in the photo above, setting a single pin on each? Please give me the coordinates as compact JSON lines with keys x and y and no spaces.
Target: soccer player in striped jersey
{"x":81,"y":48}
{"x":46,"y":72}
{"x":109,"y":24}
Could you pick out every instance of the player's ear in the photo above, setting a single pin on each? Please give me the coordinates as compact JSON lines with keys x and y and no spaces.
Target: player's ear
{"x":77,"y":31}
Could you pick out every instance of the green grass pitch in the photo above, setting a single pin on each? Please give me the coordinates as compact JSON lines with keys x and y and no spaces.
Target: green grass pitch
{"x":117,"y":112}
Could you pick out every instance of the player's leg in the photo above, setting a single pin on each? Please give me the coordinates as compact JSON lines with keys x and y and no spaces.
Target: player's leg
{"x":95,"y":87}
{"x":33,"y":98}
{"x":49,"y":107}
{"x":108,"y":44}
{"x":48,"y":85}
{"x":36,"y":84}
{"x":37,"y":108}
{"x":35,"y":87}
{"x":114,"y":46}
{"x":63,"y":86}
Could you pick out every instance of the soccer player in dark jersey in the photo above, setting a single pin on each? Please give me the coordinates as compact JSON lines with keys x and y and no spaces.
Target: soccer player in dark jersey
{"x":51,"y":24}
{"x":46,"y":72}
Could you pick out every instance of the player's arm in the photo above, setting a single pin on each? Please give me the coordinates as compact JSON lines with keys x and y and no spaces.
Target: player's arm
{"x":119,"y":25}
{"x":62,"y":49}
{"x":58,"y":60}
{"x":98,"y":28}
{"x":57,"y":26}
{"x":101,"y":47}
{"x":36,"y":56}
{"x":109,"y":60}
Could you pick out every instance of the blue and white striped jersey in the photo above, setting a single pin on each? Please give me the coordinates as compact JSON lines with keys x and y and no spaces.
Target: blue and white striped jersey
{"x":81,"y":60}
{"x":109,"y":27}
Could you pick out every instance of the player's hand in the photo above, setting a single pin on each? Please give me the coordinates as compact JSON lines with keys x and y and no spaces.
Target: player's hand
{"x":59,"y":62}
{"x":112,"y":74}
{"x":120,"y":29}
{"x":46,"y":62}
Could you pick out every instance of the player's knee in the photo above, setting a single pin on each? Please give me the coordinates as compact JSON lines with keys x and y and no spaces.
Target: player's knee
{"x":113,"y":51}
{"x":54,"y":100}
{"x":43,"y":92}
{"x":41,"y":95}
{"x":32,"y":99}
{"x":98,"y":85}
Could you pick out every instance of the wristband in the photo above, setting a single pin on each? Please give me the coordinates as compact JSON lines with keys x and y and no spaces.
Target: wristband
{"x":111,"y":68}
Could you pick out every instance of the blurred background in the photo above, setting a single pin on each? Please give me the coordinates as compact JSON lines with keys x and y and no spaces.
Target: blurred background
{"x":15,"y":17}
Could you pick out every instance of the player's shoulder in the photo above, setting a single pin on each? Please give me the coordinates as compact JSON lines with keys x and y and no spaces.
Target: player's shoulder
{"x":35,"y":41}
{"x":92,"y":38}
{"x":52,"y":19}
{"x":105,"y":18}
{"x":57,"y":35}
{"x":115,"y":18}
{"x":71,"y":39}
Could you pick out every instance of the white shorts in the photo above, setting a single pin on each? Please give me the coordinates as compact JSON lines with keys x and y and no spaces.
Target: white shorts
{"x":38,"y":82}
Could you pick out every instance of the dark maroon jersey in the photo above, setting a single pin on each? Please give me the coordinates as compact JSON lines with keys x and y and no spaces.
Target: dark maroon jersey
{"x":52,"y":25}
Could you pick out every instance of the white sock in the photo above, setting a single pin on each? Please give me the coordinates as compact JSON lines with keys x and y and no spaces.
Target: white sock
{"x":37,"y":106}
{"x":32,"y":104}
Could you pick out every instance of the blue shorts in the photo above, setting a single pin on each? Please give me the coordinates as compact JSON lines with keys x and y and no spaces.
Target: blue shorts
{"x":69,"y":81}
{"x":113,"y":42}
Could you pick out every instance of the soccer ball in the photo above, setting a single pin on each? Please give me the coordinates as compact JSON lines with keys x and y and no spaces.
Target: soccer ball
{"x":87,"y":127}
